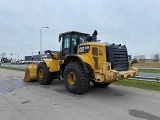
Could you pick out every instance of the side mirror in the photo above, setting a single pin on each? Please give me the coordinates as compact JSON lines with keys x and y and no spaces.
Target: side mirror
{"x":59,"y":38}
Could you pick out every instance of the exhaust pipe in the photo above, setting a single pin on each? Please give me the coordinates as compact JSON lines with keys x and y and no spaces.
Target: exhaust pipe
{"x":94,"y":36}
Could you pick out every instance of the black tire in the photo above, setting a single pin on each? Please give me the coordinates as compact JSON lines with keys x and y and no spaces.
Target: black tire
{"x":81,"y":83}
{"x":100,"y":85}
{"x":43,"y":75}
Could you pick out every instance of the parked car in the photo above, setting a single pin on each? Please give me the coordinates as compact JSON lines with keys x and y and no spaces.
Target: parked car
{"x":21,"y":62}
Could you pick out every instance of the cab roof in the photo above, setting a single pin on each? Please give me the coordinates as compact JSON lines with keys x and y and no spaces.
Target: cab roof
{"x":73,"y":33}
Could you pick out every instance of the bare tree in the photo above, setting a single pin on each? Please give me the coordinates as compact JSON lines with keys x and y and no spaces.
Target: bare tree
{"x":142,"y":58}
{"x":135,"y":57}
{"x":156,"y":58}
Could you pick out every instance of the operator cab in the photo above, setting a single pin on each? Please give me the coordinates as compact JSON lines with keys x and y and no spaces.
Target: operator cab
{"x":70,"y":41}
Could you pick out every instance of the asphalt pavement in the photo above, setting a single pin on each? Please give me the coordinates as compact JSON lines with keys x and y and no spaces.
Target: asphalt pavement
{"x":30,"y":101}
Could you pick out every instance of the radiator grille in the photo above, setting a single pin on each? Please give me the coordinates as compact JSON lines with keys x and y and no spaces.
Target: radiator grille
{"x":118,"y":57}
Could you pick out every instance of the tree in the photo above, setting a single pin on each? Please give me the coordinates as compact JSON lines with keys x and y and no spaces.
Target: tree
{"x":156,"y":58}
{"x":142,"y":58}
{"x":135,"y":57}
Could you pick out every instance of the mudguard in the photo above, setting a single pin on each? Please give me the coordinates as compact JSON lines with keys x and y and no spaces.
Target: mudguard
{"x":84,"y":59}
{"x":52,"y":65}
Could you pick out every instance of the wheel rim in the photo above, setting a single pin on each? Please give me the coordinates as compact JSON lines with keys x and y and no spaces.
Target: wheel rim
{"x":71,"y":78}
{"x":41,"y":73}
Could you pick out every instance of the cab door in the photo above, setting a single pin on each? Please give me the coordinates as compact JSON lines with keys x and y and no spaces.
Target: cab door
{"x":69,"y":46}
{"x":65,"y":47}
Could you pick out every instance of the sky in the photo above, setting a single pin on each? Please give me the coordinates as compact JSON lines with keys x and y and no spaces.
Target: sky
{"x":134,"y":23}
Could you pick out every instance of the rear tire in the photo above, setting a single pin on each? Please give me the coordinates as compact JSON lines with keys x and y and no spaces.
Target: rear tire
{"x":75,"y":79}
{"x":43,"y":75}
{"x":100,"y":85}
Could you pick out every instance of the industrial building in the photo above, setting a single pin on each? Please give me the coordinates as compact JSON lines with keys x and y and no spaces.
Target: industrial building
{"x":38,"y":57}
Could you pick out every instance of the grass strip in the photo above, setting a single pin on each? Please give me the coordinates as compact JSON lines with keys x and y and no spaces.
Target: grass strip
{"x":149,"y":70}
{"x":12,"y":68}
{"x":139,"y":84}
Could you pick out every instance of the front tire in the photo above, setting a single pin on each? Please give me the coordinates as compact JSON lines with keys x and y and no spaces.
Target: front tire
{"x":43,"y":75}
{"x":75,"y":79}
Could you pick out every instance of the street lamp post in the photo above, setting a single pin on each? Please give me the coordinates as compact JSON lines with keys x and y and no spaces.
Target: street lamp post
{"x":41,"y":41}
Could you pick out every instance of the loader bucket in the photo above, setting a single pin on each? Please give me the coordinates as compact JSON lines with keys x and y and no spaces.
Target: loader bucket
{"x":31,"y":73}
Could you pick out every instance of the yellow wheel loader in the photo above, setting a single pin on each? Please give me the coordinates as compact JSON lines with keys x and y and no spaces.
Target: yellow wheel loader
{"x":82,"y":59}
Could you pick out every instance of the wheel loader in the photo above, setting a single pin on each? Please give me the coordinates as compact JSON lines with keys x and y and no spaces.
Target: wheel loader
{"x":81,"y":60}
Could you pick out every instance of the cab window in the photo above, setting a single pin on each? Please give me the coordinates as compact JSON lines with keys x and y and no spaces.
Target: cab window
{"x":74,"y":41}
{"x":66,"y":42}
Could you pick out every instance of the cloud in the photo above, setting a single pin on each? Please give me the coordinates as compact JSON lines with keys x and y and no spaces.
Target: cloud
{"x":134,"y":23}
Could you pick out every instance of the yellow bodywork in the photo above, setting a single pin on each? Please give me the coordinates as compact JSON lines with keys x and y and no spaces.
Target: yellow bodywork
{"x":95,"y":60}
{"x":104,"y":73}
{"x":31,"y":70}
{"x":52,"y":64}
{"x":31,"y":73}
{"x":113,"y":75}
